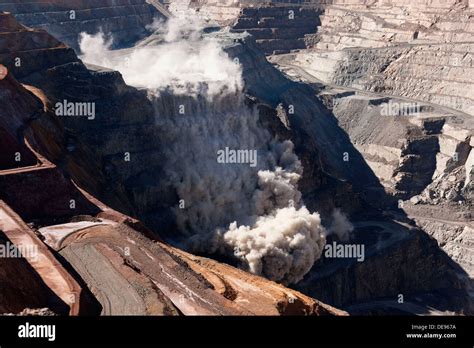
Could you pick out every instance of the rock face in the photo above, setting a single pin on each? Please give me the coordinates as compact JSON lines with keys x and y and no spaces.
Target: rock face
{"x":35,"y":189}
{"x":401,"y":71}
{"x":125,"y":21}
{"x":217,"y":11}
{"x":276,"y":29}
{"x":407,"y":147}
{"x":385,"y":23}
{"x":414,"y":256}
{"x":392,"y":50}
{"x":25,"y":51}
{"x":384,"y":47}
{"x":374,"y":63}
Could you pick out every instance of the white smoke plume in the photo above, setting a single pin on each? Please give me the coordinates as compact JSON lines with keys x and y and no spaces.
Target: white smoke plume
{"x":254,"y":214}
{"x":282,"y":246}
{"x":340,"y":226}
{"x":180,"y":59}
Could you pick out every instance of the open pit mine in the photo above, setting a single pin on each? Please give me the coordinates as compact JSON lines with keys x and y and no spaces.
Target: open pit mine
{"x":226,"y":157}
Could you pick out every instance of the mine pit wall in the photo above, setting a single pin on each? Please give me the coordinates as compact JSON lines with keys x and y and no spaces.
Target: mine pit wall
{"x":407,"y":165}
{"x":381,"y":26}
{"x":125,"y":20}
{"x":365,"y":47}
{"x":403,"y":71}
{"x":421,"y":268}
{"x":44,"y":193}
{"x":95,"y":148}
{"x":22,"y":41}
{"x":278,"y":29}
{"x":34,"y":50}
{"x":417,"y":164}
{"x":124,"y":124}
{"x":222,"y":12}
{"x":20,"y":285}
{"x":35,"y":188}
{"x":408,"y":153}
{"x":374,"y":24}
{"x":50,"y":65}
{"x":354,"y":37}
